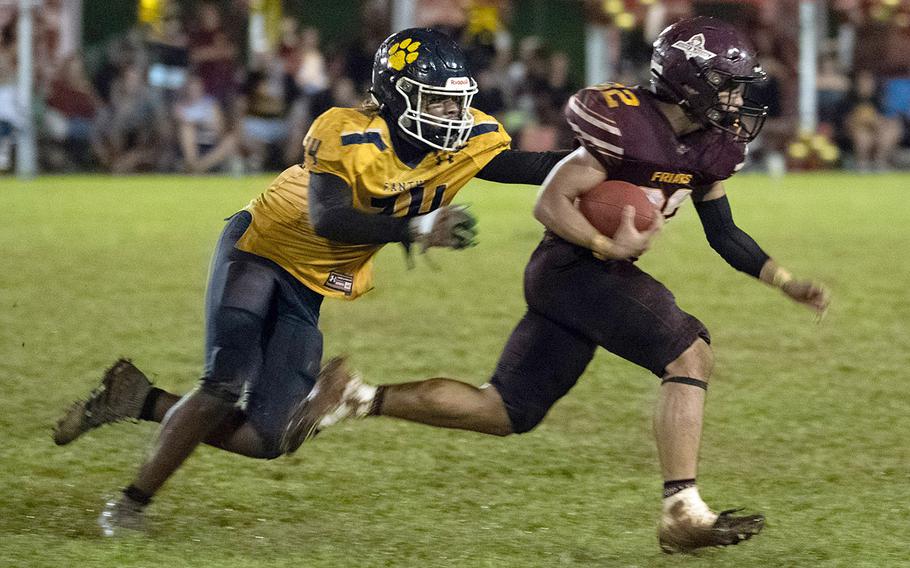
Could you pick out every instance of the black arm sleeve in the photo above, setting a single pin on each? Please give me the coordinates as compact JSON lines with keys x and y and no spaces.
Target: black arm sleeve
{"x":730,"y":242}
{"x":514,"y":166}
{"x":334,"y":217}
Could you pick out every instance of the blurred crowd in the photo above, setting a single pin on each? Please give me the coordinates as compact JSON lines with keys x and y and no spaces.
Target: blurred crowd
{"x":187,"y":95}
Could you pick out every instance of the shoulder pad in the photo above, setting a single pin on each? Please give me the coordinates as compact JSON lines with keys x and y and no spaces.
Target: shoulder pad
{"x":486,"y":134}
{"x":329,"y":133}
{"x":596,"y":115}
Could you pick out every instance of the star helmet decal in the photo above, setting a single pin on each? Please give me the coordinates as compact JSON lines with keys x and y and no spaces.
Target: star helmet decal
{"x":695,"y":47}
{"x":403,"y":53}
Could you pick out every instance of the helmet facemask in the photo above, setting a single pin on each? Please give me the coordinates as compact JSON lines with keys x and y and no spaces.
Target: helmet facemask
{"x":719,"y":99}
{"x":439,"y":132}
{"x":733,"y":111}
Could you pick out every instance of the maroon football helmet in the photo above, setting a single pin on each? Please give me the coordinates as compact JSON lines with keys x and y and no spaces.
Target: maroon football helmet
{"x":704,"y":65}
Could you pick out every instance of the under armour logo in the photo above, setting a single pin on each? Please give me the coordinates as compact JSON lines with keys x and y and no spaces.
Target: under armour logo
{"x":444,"y":158}
{"x":695,"y":47}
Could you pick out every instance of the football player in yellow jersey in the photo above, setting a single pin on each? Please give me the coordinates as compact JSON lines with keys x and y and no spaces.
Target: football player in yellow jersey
{"x":385,"y":173}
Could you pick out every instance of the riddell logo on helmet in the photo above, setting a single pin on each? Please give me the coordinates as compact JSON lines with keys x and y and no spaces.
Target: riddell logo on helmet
{"x":695,"y":47}
{"x":456,"y":82}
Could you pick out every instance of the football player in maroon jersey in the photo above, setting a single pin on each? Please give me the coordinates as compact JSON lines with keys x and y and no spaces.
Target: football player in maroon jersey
{"x":679,"y":138}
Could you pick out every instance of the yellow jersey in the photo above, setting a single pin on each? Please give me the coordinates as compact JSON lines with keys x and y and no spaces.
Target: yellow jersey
{"x":355,"y":145}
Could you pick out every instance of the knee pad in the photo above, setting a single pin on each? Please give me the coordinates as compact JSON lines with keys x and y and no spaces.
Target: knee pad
{"x":248,"y":286}
{"x":235,"y":354}
{"x":236,"y":328}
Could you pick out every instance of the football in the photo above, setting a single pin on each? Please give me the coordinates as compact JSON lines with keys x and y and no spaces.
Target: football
{"x":602,"y":206}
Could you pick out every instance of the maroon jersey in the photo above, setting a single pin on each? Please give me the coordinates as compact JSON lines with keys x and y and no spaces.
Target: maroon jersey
{"x":624,"y":129}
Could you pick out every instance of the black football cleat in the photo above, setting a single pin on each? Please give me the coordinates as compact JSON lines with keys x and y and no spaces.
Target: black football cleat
{"x":678,"y":534}
{"x":120,"y":396}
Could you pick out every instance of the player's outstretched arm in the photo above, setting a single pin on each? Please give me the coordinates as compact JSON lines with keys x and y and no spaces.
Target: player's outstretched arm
{"x":334,"y":217}
{"x":555,"y":208}
{"x":517,"y":166}
{"x":743,"y":253}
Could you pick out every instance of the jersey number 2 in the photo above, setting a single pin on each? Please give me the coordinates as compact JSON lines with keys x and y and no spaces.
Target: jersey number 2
{"x":625,"y":96}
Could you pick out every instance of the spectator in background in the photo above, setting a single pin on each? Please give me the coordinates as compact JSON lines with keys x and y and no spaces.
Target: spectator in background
{"x":896,"y":103}
{"x":7,"y":23}
{"x":358,"y":60}
{"x":264,"y":102}
{"x":833,"y":88}
{"x":523,"y":76}
{"x":358,"y":55}
{"x":448,"y":16}
{"x":310,"y":75}
{"x":118,"y":53}
{"x":205,"y":142}
{"x":559,"y":83}
{"x":289,"y":44}
{"x":547,"y":130}
{"x":128,"y":133}
{"x":71,"y":107}
{"x":10,"y":113}
{"x":489,"y":98}
{"x":311,"y":80}
{"x":873,"y":135}
{"x":528,"y":71}
{"x":780,"y":127}
{"x":340,"y":94}
{"x":169,"y":54}
{"x":213,"y":54}
{"x":485,"y":36}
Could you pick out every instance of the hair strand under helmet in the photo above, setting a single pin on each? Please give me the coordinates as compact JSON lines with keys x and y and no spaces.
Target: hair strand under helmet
{"x":697,"y":59}
{"x":412,"y":67}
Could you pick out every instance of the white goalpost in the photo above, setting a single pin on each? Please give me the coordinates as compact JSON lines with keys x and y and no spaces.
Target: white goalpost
{"x":26,"y":158}
{"x":70,"y":30}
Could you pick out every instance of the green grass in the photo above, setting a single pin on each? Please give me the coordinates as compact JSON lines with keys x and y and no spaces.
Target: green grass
{"x":806,"y":423}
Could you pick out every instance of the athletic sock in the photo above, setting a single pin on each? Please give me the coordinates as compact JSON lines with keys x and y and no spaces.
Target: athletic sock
{"x":675,"y":486}
{"x":692,"y":510}
{"x":137,"y":495}
{"x":376,"y":405}
{"x":148,"y":407}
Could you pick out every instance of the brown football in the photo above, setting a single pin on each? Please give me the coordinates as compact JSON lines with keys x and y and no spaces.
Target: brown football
{"x":602,"y":205}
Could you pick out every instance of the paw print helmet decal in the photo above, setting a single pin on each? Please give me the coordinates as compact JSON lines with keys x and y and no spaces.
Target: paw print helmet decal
{"x":416,"y":68}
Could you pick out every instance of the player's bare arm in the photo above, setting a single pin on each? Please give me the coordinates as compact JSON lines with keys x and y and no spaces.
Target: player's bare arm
{"x":555,"y":208}
{"x":741,"y":252}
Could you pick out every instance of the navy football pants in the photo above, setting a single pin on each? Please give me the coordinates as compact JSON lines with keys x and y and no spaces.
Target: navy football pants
{"x":262,"y":340}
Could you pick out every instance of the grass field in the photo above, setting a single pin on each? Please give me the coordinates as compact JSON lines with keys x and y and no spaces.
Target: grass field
{"x":806,"y":423}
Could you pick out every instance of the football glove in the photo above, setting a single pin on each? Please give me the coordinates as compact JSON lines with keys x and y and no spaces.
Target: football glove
{"x":450,"y":226}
